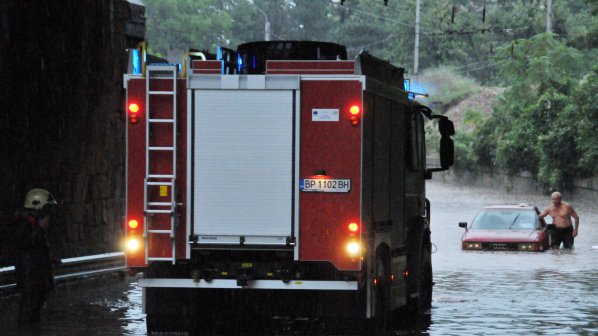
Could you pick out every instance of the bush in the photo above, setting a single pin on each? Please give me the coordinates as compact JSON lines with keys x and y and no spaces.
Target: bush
{"x":445,"y":86}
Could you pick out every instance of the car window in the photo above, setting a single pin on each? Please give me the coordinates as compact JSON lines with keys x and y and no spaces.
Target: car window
{"x":506,"y":219}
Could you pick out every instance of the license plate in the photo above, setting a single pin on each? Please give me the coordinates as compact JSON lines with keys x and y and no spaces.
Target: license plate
{"x":325,"y":185}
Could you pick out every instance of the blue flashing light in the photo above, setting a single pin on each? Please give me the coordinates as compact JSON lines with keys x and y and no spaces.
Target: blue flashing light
{"x":407,"y":85}
{"x":219,"y":58}
{"x":417,"y":88}
{"x":253,"y":59}
{"x":136,"y":62}
{"x":239,"y":62}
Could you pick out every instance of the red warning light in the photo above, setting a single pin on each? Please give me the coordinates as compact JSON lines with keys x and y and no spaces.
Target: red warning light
{"x":133,"y":224}
{"x":354,"y":110}
{"x":133,"y":109}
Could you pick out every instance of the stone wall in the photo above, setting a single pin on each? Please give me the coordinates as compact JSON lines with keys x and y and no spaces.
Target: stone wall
{"x":62,"y":119}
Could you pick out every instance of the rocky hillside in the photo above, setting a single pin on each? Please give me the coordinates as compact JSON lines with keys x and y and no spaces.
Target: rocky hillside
{"x":481,"y":101}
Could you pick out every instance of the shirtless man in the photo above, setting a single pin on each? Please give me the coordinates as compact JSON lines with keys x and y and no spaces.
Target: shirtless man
{"x":561,"y":213}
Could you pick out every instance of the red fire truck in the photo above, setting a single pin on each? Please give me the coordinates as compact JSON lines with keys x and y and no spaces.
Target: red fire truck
{"x":277,"y":178}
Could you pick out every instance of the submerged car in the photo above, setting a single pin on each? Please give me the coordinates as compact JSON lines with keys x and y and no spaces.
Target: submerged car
{"x":506,"y":228}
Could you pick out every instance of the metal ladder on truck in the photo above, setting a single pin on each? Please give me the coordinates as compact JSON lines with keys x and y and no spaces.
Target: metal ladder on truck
{"x":160,"y":179}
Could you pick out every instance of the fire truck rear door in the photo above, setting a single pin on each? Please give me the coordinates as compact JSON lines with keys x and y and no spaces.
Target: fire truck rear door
{"x":243,"y":166}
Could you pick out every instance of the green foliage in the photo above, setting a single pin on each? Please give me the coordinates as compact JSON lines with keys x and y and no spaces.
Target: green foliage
{"x":452,"y":33}
{"x":446,"y":86}
{"x":465,"y":159}
{"x":586,"y":106}
{"x":535,"y":125}
{"x":184,"y":24}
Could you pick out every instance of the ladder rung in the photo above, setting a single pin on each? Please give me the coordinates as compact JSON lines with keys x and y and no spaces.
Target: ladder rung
{"x":159,"y":259}
{"x":161,"y":148}
{"x":160,"y":203}
{"x":159,"y":231}
{"x":161,"y":120}
{"x":159,"y":176}
{"x":161,"y":92}
{"x":158,"y":211}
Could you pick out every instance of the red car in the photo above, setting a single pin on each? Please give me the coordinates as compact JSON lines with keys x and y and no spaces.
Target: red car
{"x":506,"y":228}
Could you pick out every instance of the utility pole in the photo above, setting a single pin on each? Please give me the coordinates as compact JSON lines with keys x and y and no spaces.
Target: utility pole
{"x":549,"y":16}
{"x":416,"y":47}
{"x":267,"y":25}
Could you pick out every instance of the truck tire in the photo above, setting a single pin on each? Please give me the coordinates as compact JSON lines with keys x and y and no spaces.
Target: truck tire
{"x":414,"y":266}
{"x":167,"y":311}
{"x":162,"y":323}
{"x":382,"y":295}
{"x":423,"y":280}
{"x":426,"y":281}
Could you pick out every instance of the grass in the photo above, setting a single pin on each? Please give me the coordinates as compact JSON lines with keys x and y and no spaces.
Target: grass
{"x":446,"y":86}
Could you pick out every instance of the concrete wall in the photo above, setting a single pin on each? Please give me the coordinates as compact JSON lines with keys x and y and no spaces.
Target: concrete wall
{"x":62,"y":115}
{"x":584,"y":189}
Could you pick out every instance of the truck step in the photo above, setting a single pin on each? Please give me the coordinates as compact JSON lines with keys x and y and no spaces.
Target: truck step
{"x":161,"y":120}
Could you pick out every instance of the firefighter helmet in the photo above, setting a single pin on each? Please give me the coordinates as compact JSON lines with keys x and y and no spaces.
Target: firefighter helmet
{"x":38,"y":198}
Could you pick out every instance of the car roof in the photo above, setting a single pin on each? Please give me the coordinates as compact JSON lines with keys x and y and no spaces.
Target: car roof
{"x":520,"y":206}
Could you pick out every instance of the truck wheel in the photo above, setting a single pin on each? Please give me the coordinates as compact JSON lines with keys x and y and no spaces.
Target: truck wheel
{"x":162,"y":323}
{"x":425,"y":279}
{"x":382,"y":295}
{"x":167,"y":311}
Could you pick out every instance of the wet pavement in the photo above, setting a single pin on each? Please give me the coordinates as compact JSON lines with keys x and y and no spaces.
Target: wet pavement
{"x":476,"y":293}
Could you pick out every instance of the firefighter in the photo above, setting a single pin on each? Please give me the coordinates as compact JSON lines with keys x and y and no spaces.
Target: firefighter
{"x":33,"y":267}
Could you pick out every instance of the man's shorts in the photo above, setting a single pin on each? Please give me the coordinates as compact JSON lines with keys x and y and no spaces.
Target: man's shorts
{"x":562,"y":235}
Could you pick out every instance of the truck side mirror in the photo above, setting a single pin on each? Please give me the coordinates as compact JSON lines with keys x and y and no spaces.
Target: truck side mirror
{"x":463,"y":225}
{"x":447,"y":147}
{"x":447,"y":152}
{"x":446,"y":128}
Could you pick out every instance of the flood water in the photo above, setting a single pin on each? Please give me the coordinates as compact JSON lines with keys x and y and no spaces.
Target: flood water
{"x":476,"y":293}
{"x":510,"y":293}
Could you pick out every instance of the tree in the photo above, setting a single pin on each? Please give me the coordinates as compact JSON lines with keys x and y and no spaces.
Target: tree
{"x":185,"y":24}
{"x":534,"y":125}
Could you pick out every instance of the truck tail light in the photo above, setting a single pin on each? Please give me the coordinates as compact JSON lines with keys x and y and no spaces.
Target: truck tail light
{"x":133,"y":112}
{"x":355,"y":112}
{"x":133,"y":244}
{"x":353,"y":227}
{"x":354,"y":249}
{"x":133,"y":224}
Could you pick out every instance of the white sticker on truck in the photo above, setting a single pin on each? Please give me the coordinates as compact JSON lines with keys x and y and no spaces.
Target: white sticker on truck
{"x":319,"y":114}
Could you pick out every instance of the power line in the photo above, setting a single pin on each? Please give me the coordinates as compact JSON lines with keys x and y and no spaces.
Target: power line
{"x":484,"y":66}
{"x":379,"y":17}
{"x":375,"y":43}
{"x":478,"y":31}
{"x":430,"y":32}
